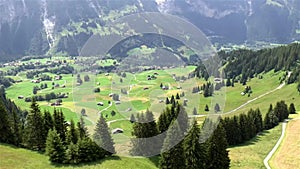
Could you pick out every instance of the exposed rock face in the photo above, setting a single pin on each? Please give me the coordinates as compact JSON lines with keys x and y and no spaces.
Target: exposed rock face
{"x":38,"y":27}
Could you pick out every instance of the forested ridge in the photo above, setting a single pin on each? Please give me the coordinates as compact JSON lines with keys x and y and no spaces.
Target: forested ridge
{"x":248,"y":63}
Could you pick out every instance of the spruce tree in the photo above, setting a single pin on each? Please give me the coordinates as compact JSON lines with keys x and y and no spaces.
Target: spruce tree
{"x":72,"y":154}
{"x":195,"y":152}
{"x":218,"y":153}
{"x":102,"y":136}
{"x":82,"y":130}
{"x":177,"y":96}
{"x":54,"y":147}
{"x":48,"y":122}
{"x":35,"y":132}
{"x":292,"y":109}
{"x":195,"y":111}
{"x":206,"y":108}
{"x":72,"y":134}
{"x":145,"y":130}
{"x":60,"y":124}
{"x":16,"y":128}
{"x":6,"y":135}
{"x":132,"y":118}
{"x":172,"y":155}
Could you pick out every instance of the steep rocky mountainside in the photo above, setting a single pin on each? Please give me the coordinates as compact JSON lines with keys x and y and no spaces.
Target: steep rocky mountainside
{"x":38,"y":27}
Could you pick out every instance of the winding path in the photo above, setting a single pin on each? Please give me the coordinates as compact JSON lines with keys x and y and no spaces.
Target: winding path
{"x":269,"y":156}
{"x":258,"y":97}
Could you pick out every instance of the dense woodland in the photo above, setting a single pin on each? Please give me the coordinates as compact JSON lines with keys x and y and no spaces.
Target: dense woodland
{"x":249,"y":63}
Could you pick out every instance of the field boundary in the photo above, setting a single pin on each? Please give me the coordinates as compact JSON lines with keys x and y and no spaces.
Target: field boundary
{"x":271,"y":153}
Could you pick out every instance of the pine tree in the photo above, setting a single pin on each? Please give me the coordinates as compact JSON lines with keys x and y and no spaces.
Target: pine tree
{"x":82,"y":130}
{"x":244,"y":127}
{"x":6,"y":135}
{"x":60,"y":124}
{"x":177,"y":96}
{"x":162,"y":124}
{"x":206,"y":108}
{"x":292,"y":109}
{"x":102,"y":136}
{"x":54,"y":147}
{"x":172,"y":101}
{"x":145,"y":130}
{"x":132,"y":118}
{"x":228,"y":83}
{"x":258,"y":121}
{"x":72,"y":154}
{"x":195,"y":111}
{"x":16,"y":128}
{"x":48,"y":122}
{"x":172,"y":155}
{"x":167,"y":101}
{"x":218,"y":153}
{"x":195,"y":152}
{"x":72,"y":134}
{"x":35,"y":132}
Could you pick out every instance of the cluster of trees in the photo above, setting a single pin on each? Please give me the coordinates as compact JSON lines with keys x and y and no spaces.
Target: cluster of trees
{"x":63,"y":142}
{"x":208,"y":89}
{"x":37,"y":88}
{"x":72,"y":145}
{"x":47,"y":97}
{"x":65,"y":69}
{"x":5,"y":81}
{"x":249,"y":63}
{"x":278,"y":114}
{"x":173,"y":99}
{"x":178,"y":142}
{"x":244,"y":127}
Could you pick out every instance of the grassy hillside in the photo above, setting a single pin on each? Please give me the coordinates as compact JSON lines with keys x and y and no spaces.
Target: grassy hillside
{"x":12,"y":157}
{"x":251,"y":154}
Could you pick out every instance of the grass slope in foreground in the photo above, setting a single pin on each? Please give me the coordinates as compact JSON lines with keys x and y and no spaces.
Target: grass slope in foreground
{"x":12,"y":157}
{"x":251,"y":154}
{"x":287,"y":155}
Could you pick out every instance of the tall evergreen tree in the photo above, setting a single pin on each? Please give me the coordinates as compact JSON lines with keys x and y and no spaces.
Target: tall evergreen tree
{"x":82,"y":130}
{"x":48,"y":122}
{"x":145,"y":130}
{"x":54,"y":147}
{"x":102,"y":136}
{"x":60,"y":124}
{"x":292,"y":109}
{"x":6,"y":135}
{"x":72,"y":134}
{"x":35,"y":131}
{"x":72,"y":154}
{"x":195,"y":152}
{"x":172,"y":156}
{"x":218,"y":153}
{"x":16,"y":128}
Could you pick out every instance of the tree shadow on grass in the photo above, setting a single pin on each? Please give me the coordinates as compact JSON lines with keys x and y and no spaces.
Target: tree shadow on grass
{"x":252,"y":141}
{"x":90,"y":164}
{"x":155,"y":160}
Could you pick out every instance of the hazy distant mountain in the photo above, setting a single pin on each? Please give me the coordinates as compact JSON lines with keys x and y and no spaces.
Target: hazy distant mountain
{"x":37,"y":27}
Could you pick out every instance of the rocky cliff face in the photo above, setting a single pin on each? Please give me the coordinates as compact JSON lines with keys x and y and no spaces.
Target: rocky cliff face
{"x":38,"y":27}
{"x":240,"y":20}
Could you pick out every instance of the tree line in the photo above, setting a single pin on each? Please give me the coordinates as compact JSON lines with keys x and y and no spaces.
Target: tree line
{"x":178,"y":141}
{"x":244,"y":127}
{"x":63,"y":142}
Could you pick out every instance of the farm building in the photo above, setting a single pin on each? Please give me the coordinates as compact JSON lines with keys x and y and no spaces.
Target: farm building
{"x":117,"y":131}
{"x":20,"y":97}
{"x":100,"y":104}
